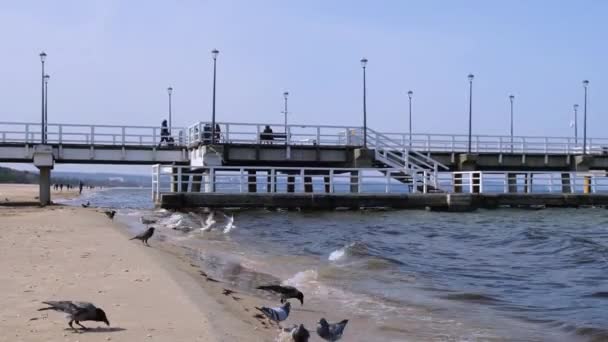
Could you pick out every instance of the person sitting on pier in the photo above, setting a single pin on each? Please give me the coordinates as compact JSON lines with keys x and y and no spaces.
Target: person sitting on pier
{"x":165,"y":135}
{"x":266,"y":136}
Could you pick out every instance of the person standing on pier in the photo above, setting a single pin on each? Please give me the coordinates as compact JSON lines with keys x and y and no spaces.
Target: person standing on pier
{"x":164,"y":133}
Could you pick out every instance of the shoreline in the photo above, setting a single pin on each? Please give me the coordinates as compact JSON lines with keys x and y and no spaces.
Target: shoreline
{"x":70,"y":253}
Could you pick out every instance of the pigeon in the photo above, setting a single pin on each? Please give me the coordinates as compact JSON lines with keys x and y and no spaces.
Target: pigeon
{"x":110,"y":214}
{"x":286,"y":292}
{"x":230,"y":225}
{"x":276,"y":314}
{"x":144,"y":236}
{"x":300,"y":334}
{"x":331,"y":332}
{"x":86,"y":205}
{"x":78,"y":312}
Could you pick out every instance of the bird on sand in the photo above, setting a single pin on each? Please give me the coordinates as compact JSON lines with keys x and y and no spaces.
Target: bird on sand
{"x":144,"y":236}
{"x":286,"y":292}
{"x":77,"y":312}
{"x":299,"y":333}
{"x":276,"y":314}
{"x":331,"y":332}
{"x":86,"y":205}
{"x":110,"y":214}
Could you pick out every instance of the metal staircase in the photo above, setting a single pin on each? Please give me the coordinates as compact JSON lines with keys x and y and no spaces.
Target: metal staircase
{"x":414,"y":167}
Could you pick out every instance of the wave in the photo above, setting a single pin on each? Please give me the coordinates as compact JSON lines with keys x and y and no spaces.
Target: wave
{"x":472,"y":297}
{"x":356,"y":249}
{"x":361,"y":256}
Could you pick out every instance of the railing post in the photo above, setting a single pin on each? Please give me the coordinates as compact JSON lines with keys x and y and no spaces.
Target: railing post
{"x":471,"y":177}
{"x":453,"y":143}
{"x":273,"y":180}
{"x":212,"y":184}
{"x":123,"y":135}
{"x":388,"y":182}
{"x":92,"y":135}
{"x":424,"y":182}
{"x":480,"y":182}
{"x":227,"y":132}
{"x":546,"y":145}
{"x":428,"y":142}
{"x":153,"y":137}
{"x":179,"y":179}
{"x":301,"y":178}
{"x":27,"y":133}
{"x":331,"y":181}
{"x":158,"y":182}
{"x":500,"y":144}
{"x":241,"y":171}
{"x":257,"y":134}
{"x":318,"y":141}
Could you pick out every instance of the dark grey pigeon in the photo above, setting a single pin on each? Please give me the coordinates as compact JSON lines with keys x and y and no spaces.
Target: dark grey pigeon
{"x":300,"y":334}
{"x":277,"y":314}
{"x":331,"y":332}
{"x":110,"y":214}
{"x":286,"y":292}
{"x":78,"y":311}
{"x":144,"y":236}
{"x":86,"y":205}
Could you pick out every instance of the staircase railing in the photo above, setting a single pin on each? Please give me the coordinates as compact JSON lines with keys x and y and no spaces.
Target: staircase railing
{"x":420,"y":167}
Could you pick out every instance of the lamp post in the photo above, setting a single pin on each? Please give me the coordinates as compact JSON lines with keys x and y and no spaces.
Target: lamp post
{"x":46,"y":107}
{"x":170,"y":92}
{"x":575,"y":124}
{"x":585,"y":85}
{"x":470,"y":77}
{"x":287,"y":135}
{"x":214,"y":54}
{"x":364,"y":65}
{"x":42,"y":123}
{"x":511,"y":99}
{"x":409,"y":95}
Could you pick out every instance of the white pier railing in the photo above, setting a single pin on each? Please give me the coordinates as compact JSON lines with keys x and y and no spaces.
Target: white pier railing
{"x":79,"y":134}
{"x":170,"y":178}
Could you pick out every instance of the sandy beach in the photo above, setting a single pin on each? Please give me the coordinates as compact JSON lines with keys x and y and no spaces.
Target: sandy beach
{"x":69,"y":253}
{"x":24,"y":193}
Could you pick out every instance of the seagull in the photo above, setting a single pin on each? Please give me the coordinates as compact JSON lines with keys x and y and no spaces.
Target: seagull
{"x":86,"y":205}
{"x":144,"y":236}
{"x":78,"y":312}
{"x":110,"y":214}
{"x":286,"y":292}
{"x":276,"y":314}
{"x":230,"y":225}
{"x":299,"y":333}
{"x":208,"y":222}
{"x":331,"y":332}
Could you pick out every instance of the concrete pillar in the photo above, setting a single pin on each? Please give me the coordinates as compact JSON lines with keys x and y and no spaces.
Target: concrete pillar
{"x":45,"y":186}
{"x":354,"y":181}
{"x":457,"y":182}
{"x":252,"y":181}
{"x":308,"y":184}
{"x":566,"y":187}
{"x":529,"y":177}
{"x":291,"y":183}
{"x":269,"y":181}
{"x":512,"y":182}
{"x":327,"y":185}
{"x":587,"y":184}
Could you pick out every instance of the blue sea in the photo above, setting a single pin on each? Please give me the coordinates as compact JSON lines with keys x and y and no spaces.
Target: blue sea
{"x":413,"y":275}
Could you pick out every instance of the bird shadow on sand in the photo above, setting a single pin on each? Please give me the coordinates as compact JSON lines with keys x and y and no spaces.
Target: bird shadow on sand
{"x":96,"y":330}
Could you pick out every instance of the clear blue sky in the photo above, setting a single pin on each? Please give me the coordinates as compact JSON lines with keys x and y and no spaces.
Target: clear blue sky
{"x":111,"y":61}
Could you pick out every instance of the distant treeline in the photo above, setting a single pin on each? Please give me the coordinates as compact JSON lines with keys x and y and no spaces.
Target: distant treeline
{"x":8,"y":175}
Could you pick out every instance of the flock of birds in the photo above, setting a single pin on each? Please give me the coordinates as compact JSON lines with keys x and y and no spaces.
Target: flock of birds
{"x":299,"y":333}
{"x":78,"y":312}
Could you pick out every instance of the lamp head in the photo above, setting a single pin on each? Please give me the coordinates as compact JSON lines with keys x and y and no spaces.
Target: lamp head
{"x":471,"y":77}
{"x":214,"y":53}
{"x":410,"y":93}
{"x":363,"y":62}
{"x":42,"y":56}
{"x":170,"y":90}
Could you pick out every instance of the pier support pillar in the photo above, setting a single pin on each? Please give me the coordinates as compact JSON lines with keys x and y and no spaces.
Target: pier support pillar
{"x":566,"y":187}
{"x":512,"y":182}
{"x":45,"y":186}
{"x":252,"y":181}
{"x":44,"y":161}
{"x":354,"y":182}
{"x":326,"y":184}
{"x":457,"y":181}
{"x":180,"y":180}
{"x":587,"y":185}
{"x":291,"y":183}
{"x":308,"y":184}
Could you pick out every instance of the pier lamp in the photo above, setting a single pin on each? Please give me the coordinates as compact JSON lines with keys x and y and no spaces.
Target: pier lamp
{"x":170,"y":92}
{"x":470,"y":77}
{"x":585,"y":85}
{"x":214,"y":54}
{"x":364,"y":66}
{"x":575,"y":124}
{"x":409,"y":95}
{"x":511,"y":99}
{"x":42,"y":123}
{"x":46,"y":106}
{"x":287,"y":136}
